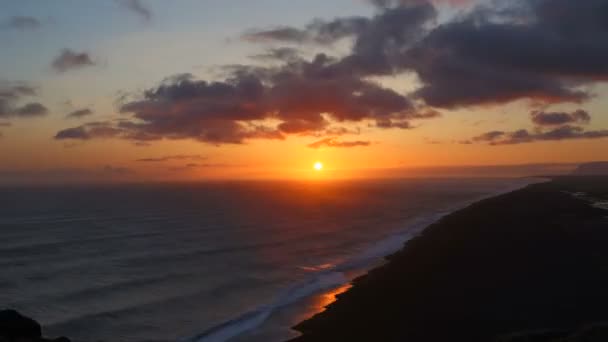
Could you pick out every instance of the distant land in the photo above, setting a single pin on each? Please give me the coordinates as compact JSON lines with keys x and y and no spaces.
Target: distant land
{"x":11,"y":177}
{"x":592,"y":169}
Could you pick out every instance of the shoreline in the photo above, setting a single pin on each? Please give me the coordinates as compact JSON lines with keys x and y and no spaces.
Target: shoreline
{"x":373,"y":257}
{"x":245,"y":327}
{"x":357,"y":307}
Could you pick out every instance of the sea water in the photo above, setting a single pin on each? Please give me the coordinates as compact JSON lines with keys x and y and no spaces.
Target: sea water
{"x":222,"y":261}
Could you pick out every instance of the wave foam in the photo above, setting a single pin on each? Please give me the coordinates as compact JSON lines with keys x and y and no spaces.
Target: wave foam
{"x":254,"y":318}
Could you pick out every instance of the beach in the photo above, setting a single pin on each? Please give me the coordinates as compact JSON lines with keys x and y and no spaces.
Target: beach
{"x":530,"y":265}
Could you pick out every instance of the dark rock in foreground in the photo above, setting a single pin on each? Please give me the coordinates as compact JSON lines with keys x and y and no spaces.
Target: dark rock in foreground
{"x":592,"y":333}
{"x":535,"y":260}
{"x":15,"y":327}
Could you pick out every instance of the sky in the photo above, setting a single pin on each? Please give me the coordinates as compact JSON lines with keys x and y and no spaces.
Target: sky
{"x":223,"y":89}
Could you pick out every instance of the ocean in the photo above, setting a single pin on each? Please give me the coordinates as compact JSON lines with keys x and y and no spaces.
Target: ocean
{"x":218,"y":261}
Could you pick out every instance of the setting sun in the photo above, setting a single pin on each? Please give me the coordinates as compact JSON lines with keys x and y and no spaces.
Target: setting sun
{"x":318,"y":166}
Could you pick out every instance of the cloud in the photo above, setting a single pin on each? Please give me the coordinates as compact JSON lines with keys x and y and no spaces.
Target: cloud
{"x":539,"y":51}
{"x":137,"y":7}
{"x":486,"y":56}
{"x":493,"y":57}
{"x":279,"y":54}
{"x":80,"y":113}
{"x":383,"y":4}
{"x":11,"y":94}
{"x":379,"y":41}
{"x":70,"y":60}
{"x":13,"y":91}
{"x":90,"y":131}
{"x":281,"y":34}
{"x":560,"y":118}
{"x":194,"y":166}
{"x":489,"y":136}
{"x":304,"y":97}
{"x":332,"y":142}
{"x":524,"y":136}
{"x":319,"y":32}
{"x":173,"y":157}
{"x":22,"y":23}
{"x":31,"y":109}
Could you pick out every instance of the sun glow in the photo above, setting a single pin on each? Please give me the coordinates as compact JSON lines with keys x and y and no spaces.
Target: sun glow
{"x":318,"y":166}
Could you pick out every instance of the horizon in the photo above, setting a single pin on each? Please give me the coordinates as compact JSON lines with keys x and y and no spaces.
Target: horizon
{"x":83,"y":177}
{"x":151,"y":91}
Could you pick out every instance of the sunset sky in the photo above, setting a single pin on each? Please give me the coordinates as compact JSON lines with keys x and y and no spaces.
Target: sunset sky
{"x":207,"y":89}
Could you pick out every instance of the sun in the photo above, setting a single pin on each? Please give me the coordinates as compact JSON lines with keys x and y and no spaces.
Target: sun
{"x":318,"y":166}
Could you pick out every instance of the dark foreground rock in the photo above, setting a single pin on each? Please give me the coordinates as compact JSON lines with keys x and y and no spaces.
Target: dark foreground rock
{"x":593,"y":333}
{"x":532,"y":261}
{"x":15,"y":327}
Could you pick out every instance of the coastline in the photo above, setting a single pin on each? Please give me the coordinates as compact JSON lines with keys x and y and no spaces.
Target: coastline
{"x":375,"y":256}
{"x":254,"y":325}
{"x":459,"y":280}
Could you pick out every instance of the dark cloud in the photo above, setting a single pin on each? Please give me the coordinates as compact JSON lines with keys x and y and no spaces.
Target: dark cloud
{"x":285,"y":54}
{"x":305,"y":97}
{"x":379,"y":41}
{"x":137,"y":7}
{"x":332,"y":142}
{"x":383,"y":4}
{"x":31,"y":109}
{"x":281,"y":34}
{"x":10,"y":97}
{"x":541,"y":51}
{"x":68,"y":60}
{"x":490,"y":58}
{"x":14,"y":91}
{"x":22,"y":23}
{"x":319,"y":32}
{"x":524,"y":136}
{"x":379,"y":49}
{"x":170,"y":158}
{"x":455,"y":65}
{"x":92,"y":130}
{"x":560,"y":118}
{"x":80,"y":113}
{"x":489,"y":136}
{"x":194,"y":166}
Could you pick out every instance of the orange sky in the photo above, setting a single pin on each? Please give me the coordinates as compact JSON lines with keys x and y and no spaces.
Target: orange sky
{"x":67,"y":66}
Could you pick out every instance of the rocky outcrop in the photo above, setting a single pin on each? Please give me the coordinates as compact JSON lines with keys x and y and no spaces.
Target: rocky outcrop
{"x":15,"y":327}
